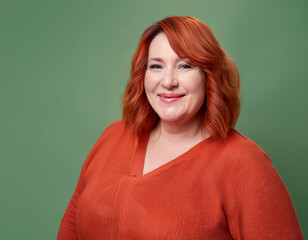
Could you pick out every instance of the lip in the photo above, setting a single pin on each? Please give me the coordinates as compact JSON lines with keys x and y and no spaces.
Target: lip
{"x":170,"y":97}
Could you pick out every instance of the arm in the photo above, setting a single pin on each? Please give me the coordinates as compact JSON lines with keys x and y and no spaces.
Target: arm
{"x":257,"y":203}
{"x":67,"y":228}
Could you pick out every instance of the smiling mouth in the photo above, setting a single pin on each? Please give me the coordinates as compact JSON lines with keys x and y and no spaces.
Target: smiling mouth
{"x":170,"y":97}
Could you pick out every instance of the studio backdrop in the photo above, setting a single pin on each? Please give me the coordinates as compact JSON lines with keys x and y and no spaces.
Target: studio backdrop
{"x":64,"y":67}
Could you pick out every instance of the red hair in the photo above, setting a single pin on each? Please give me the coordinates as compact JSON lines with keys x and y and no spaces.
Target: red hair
{"x":189,"y":38}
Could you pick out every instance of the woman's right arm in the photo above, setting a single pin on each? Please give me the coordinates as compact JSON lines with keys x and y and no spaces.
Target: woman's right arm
{"x":67,"y":228}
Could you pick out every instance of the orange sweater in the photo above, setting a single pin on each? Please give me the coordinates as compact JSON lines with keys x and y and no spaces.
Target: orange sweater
{"x":222,"y":190}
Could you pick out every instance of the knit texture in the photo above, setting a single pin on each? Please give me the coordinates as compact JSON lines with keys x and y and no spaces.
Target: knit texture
{"x":219,"y":189}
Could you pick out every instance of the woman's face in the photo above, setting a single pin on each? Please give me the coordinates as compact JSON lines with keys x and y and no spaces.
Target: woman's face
{"x":174,"y":88}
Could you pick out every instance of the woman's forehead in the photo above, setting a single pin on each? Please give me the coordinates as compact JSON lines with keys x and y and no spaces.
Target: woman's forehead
{"x":160,"y":49}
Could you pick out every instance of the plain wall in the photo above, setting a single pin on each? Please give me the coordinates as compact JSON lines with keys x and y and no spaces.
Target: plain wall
{"x":64,"y":66}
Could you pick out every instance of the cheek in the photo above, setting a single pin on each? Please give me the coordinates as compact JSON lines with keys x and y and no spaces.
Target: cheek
{"x":196,"y":86}
{"x":149,"y":88}
{"x":200,"y":92}
{"x":146,"y":84}
{"x":149,"y":83}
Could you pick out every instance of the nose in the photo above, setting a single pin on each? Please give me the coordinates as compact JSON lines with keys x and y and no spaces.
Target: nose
{"x":169,"y":79}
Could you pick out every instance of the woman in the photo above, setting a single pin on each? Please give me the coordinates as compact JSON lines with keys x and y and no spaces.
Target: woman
{"x":174,"y":167}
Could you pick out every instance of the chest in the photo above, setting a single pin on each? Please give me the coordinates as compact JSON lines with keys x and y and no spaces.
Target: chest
{"x":159,"y":154}
{"x":164,"y":205}
{"x":178,"y":199}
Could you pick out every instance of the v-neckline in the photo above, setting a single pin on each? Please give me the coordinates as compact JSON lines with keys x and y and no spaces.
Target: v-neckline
{"x":139,"y":158}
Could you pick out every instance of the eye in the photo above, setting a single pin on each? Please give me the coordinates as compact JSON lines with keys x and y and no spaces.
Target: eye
{"x":185,"y":66}
{"x":154,"y":66}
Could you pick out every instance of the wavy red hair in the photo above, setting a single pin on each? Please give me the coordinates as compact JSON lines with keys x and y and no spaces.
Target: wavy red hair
{"x":189,"y":38}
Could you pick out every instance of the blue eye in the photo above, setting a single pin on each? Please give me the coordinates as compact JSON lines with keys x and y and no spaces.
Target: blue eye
{"x":185,"y":66}
{"x":155,"y":66}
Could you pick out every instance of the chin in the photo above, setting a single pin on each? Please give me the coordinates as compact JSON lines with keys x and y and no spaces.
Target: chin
{"x":168,"y":118}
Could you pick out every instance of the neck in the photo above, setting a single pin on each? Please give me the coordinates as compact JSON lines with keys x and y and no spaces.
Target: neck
{"x":180,"y":130}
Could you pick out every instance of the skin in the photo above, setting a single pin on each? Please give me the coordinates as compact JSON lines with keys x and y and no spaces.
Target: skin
{"x":176,"y":91}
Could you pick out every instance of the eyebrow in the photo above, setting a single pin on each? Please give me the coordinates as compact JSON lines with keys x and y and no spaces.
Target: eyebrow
{"x":161,"y":60}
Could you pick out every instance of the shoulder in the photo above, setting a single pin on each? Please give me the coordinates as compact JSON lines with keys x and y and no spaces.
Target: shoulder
{"x":238,"y":146}
{"x":245,"y":164}
{"x":116,"y":135}
{"x":116,"y":130}
{"x":115,"y":126}
{"x":247,"y":169}
{"x":239,"y":155}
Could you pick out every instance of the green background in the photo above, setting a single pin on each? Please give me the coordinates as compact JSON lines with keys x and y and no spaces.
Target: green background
{"x":64,"y":66}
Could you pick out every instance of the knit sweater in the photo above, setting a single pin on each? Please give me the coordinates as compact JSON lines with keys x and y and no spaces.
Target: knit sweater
{"x":218,"y":189}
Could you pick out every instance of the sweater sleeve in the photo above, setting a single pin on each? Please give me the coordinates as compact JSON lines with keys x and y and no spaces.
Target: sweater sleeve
{"x":67,"y":229}
{"x":257,"y":203}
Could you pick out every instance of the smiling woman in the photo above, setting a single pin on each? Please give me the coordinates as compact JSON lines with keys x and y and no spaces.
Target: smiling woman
{"x":174,"y":167}
{"x":186,"y":39}
{"x":174,"y":89}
